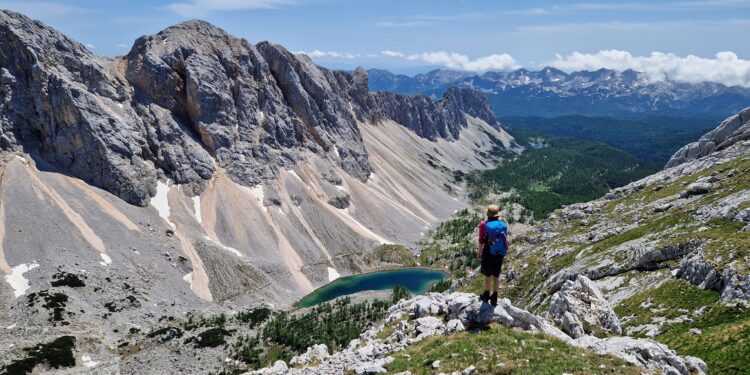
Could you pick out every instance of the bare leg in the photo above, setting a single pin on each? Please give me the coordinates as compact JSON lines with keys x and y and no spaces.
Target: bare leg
{"x":487,"y":283}
{"x":497,"y":284}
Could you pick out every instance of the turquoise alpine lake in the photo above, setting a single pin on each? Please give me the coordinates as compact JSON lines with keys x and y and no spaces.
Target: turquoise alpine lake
{"x":416,"y":280}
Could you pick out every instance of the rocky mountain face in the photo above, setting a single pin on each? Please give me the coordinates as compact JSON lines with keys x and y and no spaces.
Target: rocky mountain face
{"x":552,"y":92}
{"x":190,"y":95}
{"x":200,"y":172}
{"x":732,"y":130}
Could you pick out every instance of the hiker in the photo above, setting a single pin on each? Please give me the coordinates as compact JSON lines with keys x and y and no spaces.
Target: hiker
{"x":491,"y":249}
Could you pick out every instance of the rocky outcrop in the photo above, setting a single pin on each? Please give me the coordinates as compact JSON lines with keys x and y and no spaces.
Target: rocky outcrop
{"x":732,"y":130}
{"x":424,"y":316}
{"x":192,"y":98}
{"x":579,"y":308}
{"x":734,"y":288}
{"x":642,"y":352}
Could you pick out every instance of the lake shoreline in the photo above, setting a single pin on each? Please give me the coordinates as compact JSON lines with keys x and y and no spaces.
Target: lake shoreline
{"x":416,"y":279}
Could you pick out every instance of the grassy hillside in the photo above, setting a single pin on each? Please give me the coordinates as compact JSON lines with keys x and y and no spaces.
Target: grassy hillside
{"x":557,"y":171}
{"x":632,"y":248}
{"x":501,"y":350}
{"x":653,"y":138}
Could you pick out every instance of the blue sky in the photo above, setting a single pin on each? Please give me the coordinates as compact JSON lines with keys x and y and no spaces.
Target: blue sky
{"x":415,"y":35}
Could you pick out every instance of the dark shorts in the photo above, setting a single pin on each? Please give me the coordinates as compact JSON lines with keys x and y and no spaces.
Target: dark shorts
{"x":491,"y":264}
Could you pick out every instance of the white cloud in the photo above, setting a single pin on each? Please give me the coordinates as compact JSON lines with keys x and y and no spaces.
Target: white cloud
{"x":393,"y":53}
{"x":90,"y":46}
{"x":726,"y":68}
{"x":121,"y":45}
{"x":334,"y":54}
{"x":199,"y":8}
{"x":457,"y":61}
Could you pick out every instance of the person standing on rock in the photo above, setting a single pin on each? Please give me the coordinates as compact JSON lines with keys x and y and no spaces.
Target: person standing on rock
{"x":491,"y":249}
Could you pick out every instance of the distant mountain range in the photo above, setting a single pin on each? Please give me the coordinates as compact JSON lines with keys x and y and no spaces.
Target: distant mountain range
{"x":551,"y":92}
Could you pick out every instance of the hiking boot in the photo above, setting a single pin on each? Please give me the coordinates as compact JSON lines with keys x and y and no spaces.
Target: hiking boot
{"x":485,"y":296}
{"x":493,"y":299}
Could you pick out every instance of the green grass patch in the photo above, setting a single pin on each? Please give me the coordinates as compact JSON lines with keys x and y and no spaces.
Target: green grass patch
{"x":651,"y":226}
{"x":396,"y":254}
{"x":724,"y":343}
{"x":500,"y":350}
{"x":665,"y":301}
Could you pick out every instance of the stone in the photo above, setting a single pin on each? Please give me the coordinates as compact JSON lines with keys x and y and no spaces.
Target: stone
{"x":469,"y":370}
{"x":641,"y":352}
{"x":340,"y":201}
{"x":436,"y":364}
{"x":315,"y":352}
{"x":453,"y":326}
{"x":662,"y":207}
{"x":696,"y":188}
{"x":579,"y":305}
{"x":428,"y":326}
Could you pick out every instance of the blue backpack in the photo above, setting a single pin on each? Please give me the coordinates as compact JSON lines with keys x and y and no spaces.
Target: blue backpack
{"x":497,"y":237}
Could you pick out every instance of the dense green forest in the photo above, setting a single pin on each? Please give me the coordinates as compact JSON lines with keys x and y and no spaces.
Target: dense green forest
{"x":653,"y":138}
{"x":556,"y":171}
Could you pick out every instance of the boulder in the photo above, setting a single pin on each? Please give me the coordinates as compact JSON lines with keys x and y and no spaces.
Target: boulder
{"x":453,"y":326}
{"x":642,"y":352}
{"x":579,"y":308}
{"x":315,"y":352}
{"x":696,"y":188}
{"x":428,"y":326}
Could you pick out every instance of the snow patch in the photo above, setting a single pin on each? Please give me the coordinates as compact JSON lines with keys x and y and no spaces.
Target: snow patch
{"x":11,"y":326}
{"x":261,"y":116}
{"x":88,"y":362}
{"x":106,"y":260}
{"x":120,"y":105}
{"x":16,"y":280}
{"x":293,"y":173}
{"x":336,"y":151}
{"x":227,"y":248}
{"x":160,"y":201}
{"x":340,"y":187}
{"x":259,"y":196}
{"x":332,"y":274}
{"x":197,"y":208}
{"x":189,"y":278}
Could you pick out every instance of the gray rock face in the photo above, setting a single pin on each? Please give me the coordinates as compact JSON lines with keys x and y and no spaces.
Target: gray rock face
{"x":732,"y":130}
{"x":430,"y":119}
{"x":643,"y":352}
{"x":190,"y":98}
{"x":579,"y":307}
{"x":734,"y":288}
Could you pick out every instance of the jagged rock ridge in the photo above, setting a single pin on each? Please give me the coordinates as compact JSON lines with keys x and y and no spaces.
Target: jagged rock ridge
{"x":192,"y":98}
{"x":732,"y":130}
